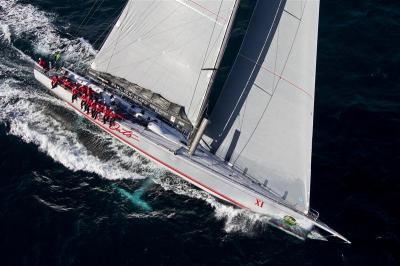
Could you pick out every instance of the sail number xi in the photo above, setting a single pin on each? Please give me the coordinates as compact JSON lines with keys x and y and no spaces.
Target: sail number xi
{"x":259,"y":203}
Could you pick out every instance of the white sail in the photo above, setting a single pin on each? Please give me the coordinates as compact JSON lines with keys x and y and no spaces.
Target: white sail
{"x":262,"y":122}
{"x":169,"y":47}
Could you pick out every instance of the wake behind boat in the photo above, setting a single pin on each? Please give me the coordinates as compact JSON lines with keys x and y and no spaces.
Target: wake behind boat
{"x":152,"y":86}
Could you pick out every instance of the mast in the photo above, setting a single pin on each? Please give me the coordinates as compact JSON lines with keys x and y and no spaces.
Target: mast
{"x":202,"y":121}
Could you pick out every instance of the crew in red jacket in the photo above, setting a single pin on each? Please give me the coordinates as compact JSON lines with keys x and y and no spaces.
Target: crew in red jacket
{"x":88,"y":104}
{"x":99,"y":109}
{"x":67,"y":83}
{"x":93,"y":106}
{"x":83,"y":100}
{"x":113,"y":116}
{"x":75,"y":93}
{"x":106,"y":114}
{"x":43,"y":64}
{"x":54,"y":81}
{"x":82,"y":89}
{"x":89,"y":92}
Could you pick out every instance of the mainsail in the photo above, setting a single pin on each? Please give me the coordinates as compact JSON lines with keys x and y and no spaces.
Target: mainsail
{"x":262,"y":121}
{"x":170,"y":47}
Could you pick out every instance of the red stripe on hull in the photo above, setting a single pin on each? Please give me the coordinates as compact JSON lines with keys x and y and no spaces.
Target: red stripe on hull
{"x":163,"y":163}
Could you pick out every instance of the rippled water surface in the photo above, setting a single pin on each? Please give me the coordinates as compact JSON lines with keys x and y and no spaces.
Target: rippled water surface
{"x":72,"y":195}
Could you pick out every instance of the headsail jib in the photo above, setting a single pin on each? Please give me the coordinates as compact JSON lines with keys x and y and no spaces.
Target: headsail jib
{"x":262,"y":122}
{"x":165,"y":46}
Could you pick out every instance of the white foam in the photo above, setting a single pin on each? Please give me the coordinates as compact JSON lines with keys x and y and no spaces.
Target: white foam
{"x":29,"y":121}
{"x":6,"y":33}
{"x":235,"y":219}
{"x":27,"y":20}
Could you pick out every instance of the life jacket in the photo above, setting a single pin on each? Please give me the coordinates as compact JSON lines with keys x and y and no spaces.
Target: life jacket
{"x":89,"y":92}
{"x":100,"y":108}
{"x":82,"y":89}
{"x":93,"y":105}
{"x":113,"y":115}
{"x":107,"y":111}
{"x":89,"y":101}
{"x":67,"y":83}
{"x":54,"y":81}
{"x":43,"y":63}
{"x":75,"y":91}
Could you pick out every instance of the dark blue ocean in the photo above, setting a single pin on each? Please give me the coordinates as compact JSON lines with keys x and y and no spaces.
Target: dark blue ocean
{"x":72,"y":195}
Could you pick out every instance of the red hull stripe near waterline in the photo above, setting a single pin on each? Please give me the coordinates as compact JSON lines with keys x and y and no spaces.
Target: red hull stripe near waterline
{"x":161,"y":162}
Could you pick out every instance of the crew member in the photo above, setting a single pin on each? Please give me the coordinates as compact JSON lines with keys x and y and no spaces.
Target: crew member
{"x":93,"y":106}
{"x":113,"y":116}
{"x":68,"y":83}
{"x":42,"y":63}
{"x":75,"y":93}
{"x":89,"y":92}
{"x":83,"y":101}
{"x":99,"y":109}
{"x":88,"y":104}
{"x":106,"y":114}
{"x":54,"y":81}
{"x":57,"y":58}
{"x":82,"y":89}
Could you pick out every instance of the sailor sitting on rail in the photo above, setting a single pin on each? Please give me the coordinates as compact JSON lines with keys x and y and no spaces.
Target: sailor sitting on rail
{"x":43,"y":64}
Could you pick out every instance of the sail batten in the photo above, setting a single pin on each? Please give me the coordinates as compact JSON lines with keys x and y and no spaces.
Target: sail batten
{"x":164,"y":46}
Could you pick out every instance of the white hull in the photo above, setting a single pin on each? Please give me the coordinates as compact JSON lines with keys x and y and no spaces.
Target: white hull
{"x":200,"y":170}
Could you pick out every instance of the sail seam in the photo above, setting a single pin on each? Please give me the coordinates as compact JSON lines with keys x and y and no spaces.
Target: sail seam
{"x":273,"y":93}
{"x":279,"y":76}
{"x":203,"y":7}
{"x":204,"y":60}
{"x":252,"y":72}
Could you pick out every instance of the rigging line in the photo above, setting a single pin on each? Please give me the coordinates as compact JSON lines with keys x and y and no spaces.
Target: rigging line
{"x":254,"y":67}
{"x":109,"y":26}
{"x":276,"y":57}
{"x":294,"y":16}
{"x":273,"y":93}
{"x":94,"y":12}
{"x":90,"y":17}
{"x":204,"y":59}
{"x":87,"y":15}
{"x":280,"y":77}
{"x":237,"y":56}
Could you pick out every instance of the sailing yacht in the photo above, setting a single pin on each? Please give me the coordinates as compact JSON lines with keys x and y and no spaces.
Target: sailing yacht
{"x":244,"y":136}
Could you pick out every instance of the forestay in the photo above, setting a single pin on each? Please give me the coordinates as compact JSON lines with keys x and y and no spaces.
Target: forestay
{"x":262,"y":122}
{"x":168,"y":46}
